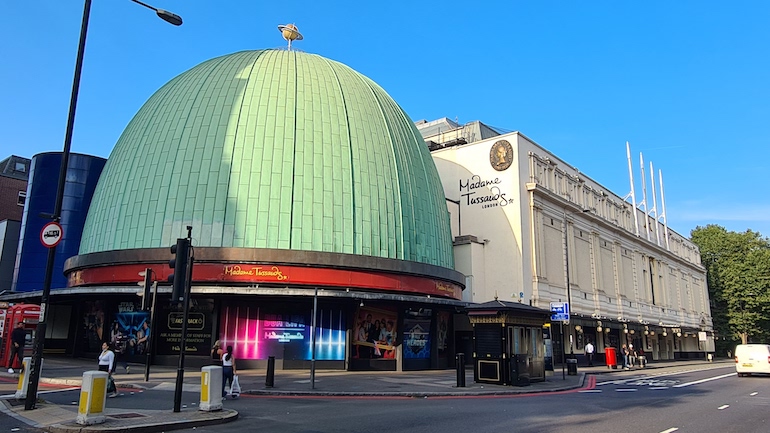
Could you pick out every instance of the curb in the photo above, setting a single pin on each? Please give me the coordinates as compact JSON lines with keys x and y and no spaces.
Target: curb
{"x":229,"y":415}
{"x":419,"y":394}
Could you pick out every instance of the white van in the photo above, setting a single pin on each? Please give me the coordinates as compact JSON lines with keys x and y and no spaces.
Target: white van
{"x":752,"y":358}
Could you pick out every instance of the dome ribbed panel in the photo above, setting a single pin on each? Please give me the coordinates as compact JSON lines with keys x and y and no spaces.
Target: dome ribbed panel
{"x":272,"y":149}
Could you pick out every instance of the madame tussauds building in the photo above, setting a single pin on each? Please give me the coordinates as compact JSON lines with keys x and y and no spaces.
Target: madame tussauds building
{"x":307,"y":189}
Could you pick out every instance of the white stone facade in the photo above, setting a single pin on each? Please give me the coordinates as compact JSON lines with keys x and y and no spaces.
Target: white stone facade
{"x":510,"y":208}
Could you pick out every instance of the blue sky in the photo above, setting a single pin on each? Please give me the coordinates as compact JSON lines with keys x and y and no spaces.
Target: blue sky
{"x":685,"y":82}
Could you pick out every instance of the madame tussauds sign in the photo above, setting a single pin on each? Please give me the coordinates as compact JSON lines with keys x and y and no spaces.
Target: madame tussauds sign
{"x":482,"y":192}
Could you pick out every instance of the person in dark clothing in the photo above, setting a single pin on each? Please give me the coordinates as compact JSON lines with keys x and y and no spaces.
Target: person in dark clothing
{"x":18,"y":339}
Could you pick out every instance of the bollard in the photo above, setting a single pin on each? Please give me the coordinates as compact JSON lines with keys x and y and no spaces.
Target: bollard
{"x":270,"y":376}
{"x":93,"y":395}
{"x":211,"y":388}
{"x":23,"y":384}
{"x":460,"y":365}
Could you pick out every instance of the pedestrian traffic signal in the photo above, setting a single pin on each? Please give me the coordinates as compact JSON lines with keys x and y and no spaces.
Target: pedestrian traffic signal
{"x":179,"y":264}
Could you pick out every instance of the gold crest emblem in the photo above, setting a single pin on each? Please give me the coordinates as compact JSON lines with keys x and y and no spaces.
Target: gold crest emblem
{"x":501,"y":155}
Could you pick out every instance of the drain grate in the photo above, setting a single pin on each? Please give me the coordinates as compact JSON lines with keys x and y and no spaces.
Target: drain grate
{"x":127,"y":415}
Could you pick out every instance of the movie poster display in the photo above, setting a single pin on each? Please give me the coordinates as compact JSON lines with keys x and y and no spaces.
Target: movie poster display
{"x":374,"y":333}
{"x":261,"y":332}
{"x":92,"y":327}
{"x":170,"y":320}
{"x":416,"y":338}
{"x":442,"y":332}
{"x":130,"y":330}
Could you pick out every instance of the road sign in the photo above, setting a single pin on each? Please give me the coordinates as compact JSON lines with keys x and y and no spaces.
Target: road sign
{"x":559,"y":311}
{"x":51,"y":234}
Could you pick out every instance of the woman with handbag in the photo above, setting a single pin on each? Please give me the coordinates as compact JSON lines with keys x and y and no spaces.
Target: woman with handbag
{"x":107,"y":363}
{"x":228,"y":369}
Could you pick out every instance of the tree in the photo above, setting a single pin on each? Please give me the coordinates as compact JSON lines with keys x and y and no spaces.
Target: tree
{"x":738,"y":274}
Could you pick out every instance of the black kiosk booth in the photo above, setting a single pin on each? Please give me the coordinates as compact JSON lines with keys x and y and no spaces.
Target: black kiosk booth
{"x":508,"y":347}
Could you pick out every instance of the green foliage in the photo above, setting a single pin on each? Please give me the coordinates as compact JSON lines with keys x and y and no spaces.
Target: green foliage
{"x":738,"y":273}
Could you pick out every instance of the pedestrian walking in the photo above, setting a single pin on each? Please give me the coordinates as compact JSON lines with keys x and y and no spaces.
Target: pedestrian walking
{"x":216,"y":353}
{"x":107,"y":363}
{"x":228,"y":369}
{"x":590,"y":353}
{"x":119,"y":343}
{"x":18,"y":339}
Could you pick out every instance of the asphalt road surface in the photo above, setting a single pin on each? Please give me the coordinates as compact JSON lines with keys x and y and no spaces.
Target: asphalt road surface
{"x":702,"y":400}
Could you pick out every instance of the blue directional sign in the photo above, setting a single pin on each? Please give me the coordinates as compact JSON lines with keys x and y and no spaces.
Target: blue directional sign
{"x":559,"y":311}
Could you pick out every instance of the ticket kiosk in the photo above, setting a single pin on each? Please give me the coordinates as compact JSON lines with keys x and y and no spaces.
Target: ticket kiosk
{"x":508,"y":342}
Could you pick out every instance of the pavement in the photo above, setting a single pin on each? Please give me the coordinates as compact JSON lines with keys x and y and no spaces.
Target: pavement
{"x":134,"y":415}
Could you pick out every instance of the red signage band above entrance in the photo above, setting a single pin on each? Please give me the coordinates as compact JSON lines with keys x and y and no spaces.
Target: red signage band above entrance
{"x":276,"y":274}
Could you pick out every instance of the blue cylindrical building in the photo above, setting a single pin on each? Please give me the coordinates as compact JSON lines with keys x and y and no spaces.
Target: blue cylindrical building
{"x":82,"y":175}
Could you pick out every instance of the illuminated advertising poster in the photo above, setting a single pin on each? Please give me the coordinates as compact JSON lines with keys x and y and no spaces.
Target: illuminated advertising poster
{"x":285,"y":334}
{"x":329,"y":336}
{"x":257,"y":333}
{"x":416,"y":338}
{"x":374,"y":333}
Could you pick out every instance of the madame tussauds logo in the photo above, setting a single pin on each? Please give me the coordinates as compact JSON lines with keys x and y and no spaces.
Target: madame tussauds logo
{"x":256,"y":271}
{"x":492,"y":197}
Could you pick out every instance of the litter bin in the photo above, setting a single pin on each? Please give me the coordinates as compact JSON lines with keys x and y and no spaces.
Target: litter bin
{"x":611,"y":357}
{"x":572,"y":367}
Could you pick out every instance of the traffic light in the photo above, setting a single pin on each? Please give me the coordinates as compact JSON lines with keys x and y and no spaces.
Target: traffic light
{"x":179,"y":264}
{"x":146,"y":285}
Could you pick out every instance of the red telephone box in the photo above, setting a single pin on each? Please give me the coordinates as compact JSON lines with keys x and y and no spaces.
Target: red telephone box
{"x":29,"y":315}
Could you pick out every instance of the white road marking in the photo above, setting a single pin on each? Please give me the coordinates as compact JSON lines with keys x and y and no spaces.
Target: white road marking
{"x":754,"y":393}
{"x":708,"y":379}
{"x":626,"y":390}
{"x":658,"y":387}
{"x":724,"y":406}
{"x":664,"y":374}
{"x":591,"y":390}
{"x":672,"y":429}
{"x":41,"y":392}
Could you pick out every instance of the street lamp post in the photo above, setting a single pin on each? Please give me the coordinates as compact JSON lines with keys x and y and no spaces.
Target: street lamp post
{"x":38,"y":345}
{"x":569,"y":290}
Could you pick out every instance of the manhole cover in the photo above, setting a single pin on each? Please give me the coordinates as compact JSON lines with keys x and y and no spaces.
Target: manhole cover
{"x":127,"y":415}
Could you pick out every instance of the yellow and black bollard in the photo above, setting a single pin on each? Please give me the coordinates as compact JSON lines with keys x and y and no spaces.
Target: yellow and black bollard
{"x":93,"y":396}
{"x":211,"y":388}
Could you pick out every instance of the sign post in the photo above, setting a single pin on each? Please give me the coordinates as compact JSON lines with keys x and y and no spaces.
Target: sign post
{"x":560,"y":313}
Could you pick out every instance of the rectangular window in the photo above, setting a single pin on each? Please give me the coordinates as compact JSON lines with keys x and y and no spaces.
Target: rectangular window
{"x":22,"y":198}
{"x":20,"y":167}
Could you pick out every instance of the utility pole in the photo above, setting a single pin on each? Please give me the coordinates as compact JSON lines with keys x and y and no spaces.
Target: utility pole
{"x":187,"y":276}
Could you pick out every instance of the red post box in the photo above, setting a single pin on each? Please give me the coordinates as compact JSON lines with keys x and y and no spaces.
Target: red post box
{"x":611,"y":357}
{"x":29,"y":315}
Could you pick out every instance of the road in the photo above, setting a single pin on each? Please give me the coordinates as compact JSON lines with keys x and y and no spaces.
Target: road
{"x":706,"y":399}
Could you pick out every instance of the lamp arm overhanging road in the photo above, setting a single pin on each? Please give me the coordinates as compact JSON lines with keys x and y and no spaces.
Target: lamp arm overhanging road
{"x":165,"y":15}
{"x":39,"y":343}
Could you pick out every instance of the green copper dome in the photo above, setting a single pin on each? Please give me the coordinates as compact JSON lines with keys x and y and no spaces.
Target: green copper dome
{"x":272,"y":149}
